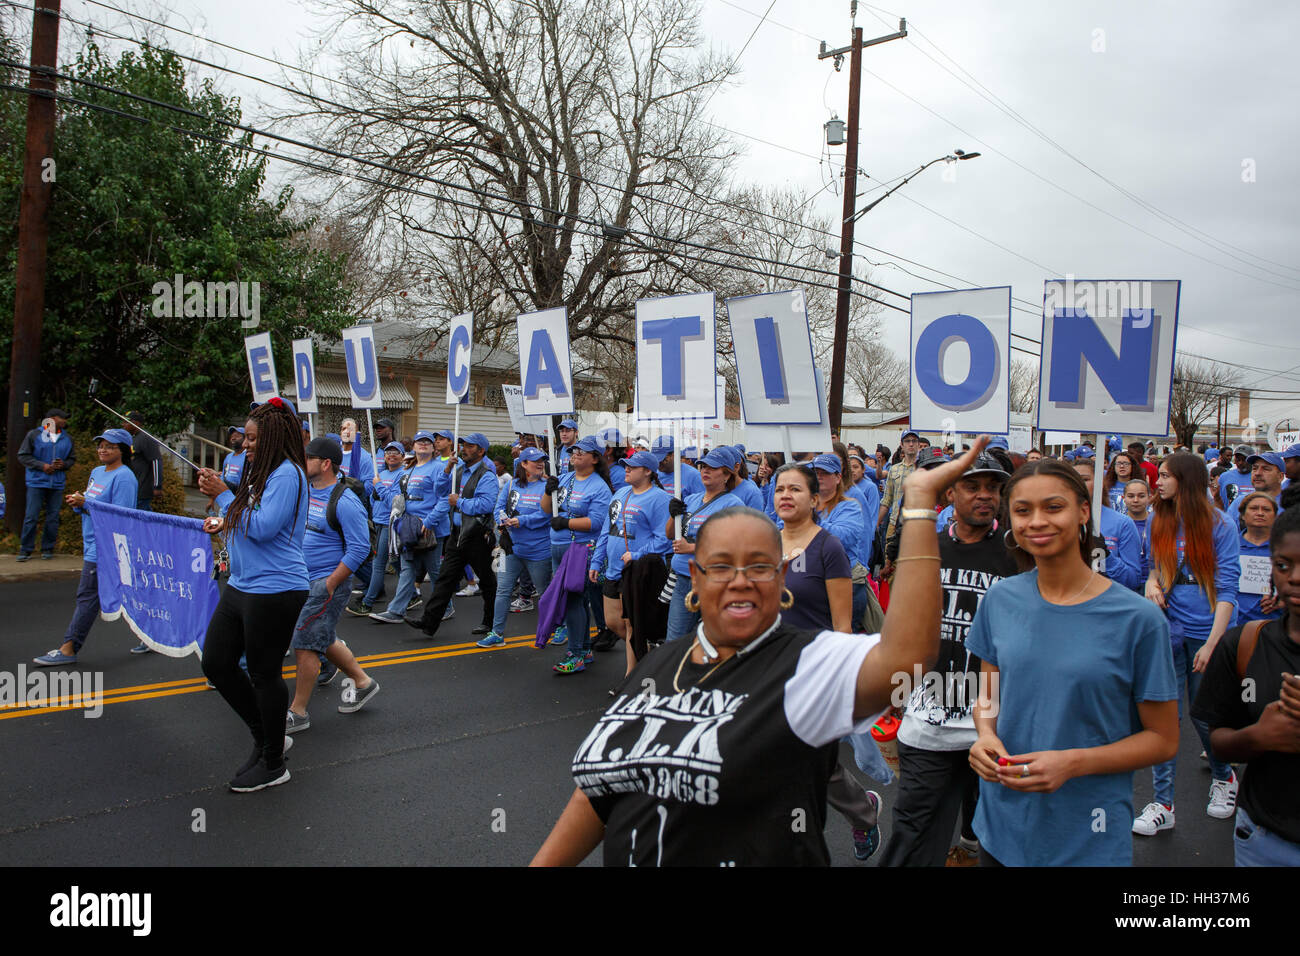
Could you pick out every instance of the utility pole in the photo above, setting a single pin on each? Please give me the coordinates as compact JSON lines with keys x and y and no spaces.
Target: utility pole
{"x":835,"y":402}
{"x":33,"y":233}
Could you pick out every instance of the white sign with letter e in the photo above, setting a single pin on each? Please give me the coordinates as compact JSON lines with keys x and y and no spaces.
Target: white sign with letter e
{"x":676,"y":357}
{"x":544,"y":362}
{"x":961,"y":370}
{"x":261,"y":366}
{"x":774,"y":359}
{"x":1108,"y":355}
{"x":304,"y":376}
{"x":363,"y":366}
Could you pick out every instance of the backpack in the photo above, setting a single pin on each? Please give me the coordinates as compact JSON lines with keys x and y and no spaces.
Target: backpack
{"x":354,"y":485}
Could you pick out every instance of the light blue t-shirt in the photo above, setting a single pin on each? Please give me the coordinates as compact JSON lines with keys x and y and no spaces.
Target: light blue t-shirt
{"x":266,"y":550}
{"x":323,"y":547}
{"x":1069,"y":677}
{"x":1186,"y":605}
{"x":692,"y":483}
{"x":580,"y":498}
{"x":697,"y":512}
{"x":116,"y":487}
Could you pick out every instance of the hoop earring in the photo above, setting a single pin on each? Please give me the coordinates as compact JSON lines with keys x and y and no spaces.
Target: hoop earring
{"x":1010,"y":542}
{"x":787,"y":599}
{"x":692,"y":601}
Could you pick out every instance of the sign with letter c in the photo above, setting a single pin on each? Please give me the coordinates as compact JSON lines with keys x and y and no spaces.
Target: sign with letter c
{"x":961,"y":347}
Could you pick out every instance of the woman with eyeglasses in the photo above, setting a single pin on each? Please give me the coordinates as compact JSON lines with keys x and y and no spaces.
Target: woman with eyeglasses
{"x":714,"y":749}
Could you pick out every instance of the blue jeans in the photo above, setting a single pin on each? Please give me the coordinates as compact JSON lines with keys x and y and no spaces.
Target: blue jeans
{"x":575,"y":615}
{"x":1162,"y":774}
{"x":376,"y":583}
{"x":144,"y":504}
{"x":539,"y":570}
{"x":1260,"y":847}
{"x":430,"y":561}
{"x":37,"y":498}
{"x":681,"y":622}
{"x":87,"y":606}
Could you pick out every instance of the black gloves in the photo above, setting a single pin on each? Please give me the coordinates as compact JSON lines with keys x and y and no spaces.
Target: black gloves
{"x":552,"y":485}
{"x":676,"y":507}
{"x":560,"y":523}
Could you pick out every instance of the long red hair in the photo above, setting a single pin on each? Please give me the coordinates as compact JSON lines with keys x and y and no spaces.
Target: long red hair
{"x":1191,"y":507}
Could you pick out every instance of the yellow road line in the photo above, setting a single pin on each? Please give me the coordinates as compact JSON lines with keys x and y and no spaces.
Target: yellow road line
{"x":119,"y":695}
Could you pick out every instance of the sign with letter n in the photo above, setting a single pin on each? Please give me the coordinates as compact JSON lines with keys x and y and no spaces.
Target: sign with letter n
{"x":1108,"y":355}
{"x":676,"y":357}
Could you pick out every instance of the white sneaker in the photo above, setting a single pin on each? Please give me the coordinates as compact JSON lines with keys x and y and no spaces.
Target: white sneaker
{"x":1223,"y":798}
{"x":1154,"y":818}
{"x":468,"y":590}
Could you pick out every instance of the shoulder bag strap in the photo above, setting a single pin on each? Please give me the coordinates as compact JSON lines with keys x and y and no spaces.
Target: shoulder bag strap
{"x":1246,"y":646}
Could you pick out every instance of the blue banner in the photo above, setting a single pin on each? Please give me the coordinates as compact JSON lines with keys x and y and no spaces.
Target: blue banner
{"x":155,"y":571}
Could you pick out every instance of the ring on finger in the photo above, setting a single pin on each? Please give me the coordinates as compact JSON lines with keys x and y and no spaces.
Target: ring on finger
{"x":1024,"y":770}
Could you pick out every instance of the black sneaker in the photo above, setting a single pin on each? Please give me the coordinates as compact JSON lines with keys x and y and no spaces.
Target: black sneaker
{"x":362,"y":698}
{"x":605,"y":640}
{"x":260,"y":777}
{"x":359,"y":608}
{"x":328,"y":671}
{"x":480,"y":628}
{"x":251,"y":762}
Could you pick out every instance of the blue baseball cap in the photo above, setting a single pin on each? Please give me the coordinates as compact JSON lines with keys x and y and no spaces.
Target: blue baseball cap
{"x":1114,"y":443}
{"x":443,"y":433}
{"x":642,"y":459}
{"x":591,"y":445}
{"x":336,"y":436}
{"x":1081,"y":452}
{"x":1291,"y":451}
{"x":569,"y":423}
{"x":693,"y":453}
{"x":829,"y":463}
{"x":733,"y":456}
{"x":423,"y":436}
{"x":235,"y":428}
{"x":1212,"y":453}
{"x":740,"y":448}
{"x":532,"y":454}
{"x":1269,"y":457}
{"x":476,"y":438}
{"x":283,"y":402}
{"x":999,"y":441}
{"x":118,"y":436}
{"x":306,"y":426}
{"x":718,"y":458}
{"x":396,"y":446}
{"x":612,"y":436}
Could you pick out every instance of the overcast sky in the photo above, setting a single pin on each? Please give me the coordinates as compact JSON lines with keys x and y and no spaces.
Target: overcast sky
{"x":1177,"y":103}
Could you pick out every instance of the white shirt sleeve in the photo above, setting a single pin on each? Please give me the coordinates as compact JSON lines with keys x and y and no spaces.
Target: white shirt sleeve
{"x":819,"y":698}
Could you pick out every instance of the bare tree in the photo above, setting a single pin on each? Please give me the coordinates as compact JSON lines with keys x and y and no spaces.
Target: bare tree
{"x":1199,"y":385}
{"x":531,"y":151}
{"x":1024,"y":385}
{"x":881,"y":377}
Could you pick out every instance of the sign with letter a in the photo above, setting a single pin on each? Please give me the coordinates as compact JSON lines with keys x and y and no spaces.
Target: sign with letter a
{"x":363,"y":366}
{"x":961,"y":345}
{"x":544,"y":362}
{"x":774,"y":359}
{"x":1108,"y":355}
{"x":676,"y":357}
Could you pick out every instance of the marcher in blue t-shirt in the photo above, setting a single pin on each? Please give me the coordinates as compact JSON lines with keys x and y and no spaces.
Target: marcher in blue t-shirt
{"x":525,"y":522}
{"x":1123,"y":561}
{"x":718,"y":479}
{"x":333,"y":551}
{"x":385,"y":488}
{"x":1255,"y":598}
{"x":114,"y":483}
{"x":263,"y":524}
{"x":232,"y":466}
{"x":1080,"y":690}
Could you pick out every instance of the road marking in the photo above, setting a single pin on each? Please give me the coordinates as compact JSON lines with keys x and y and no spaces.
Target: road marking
{"x":121,"y":695}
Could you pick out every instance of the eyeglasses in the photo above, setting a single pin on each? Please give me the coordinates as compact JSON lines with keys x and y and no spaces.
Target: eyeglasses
{"x":754,"y":573}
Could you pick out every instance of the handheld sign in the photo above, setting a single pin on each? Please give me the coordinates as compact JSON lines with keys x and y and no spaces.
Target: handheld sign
{"x":774,"y":359}
{"x":544,"y":362}
{"x":1108,"y":355}
{"x":460,"y":345}
{"x":363,"y":366}
{"x":960,"y":370}
{"x":521,"y":423}
{"x":676,"y":357}
{"x":261,"y":366}
{"x":304,"y":375}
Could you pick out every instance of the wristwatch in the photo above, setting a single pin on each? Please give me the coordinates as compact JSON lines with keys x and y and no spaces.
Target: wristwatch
{"x":918,"y":514}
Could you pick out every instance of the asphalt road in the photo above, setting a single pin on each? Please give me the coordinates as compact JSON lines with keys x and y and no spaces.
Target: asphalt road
{"x":462,"y":758}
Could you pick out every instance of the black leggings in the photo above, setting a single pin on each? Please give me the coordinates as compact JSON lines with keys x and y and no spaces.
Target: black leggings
{"x":260,"y":627}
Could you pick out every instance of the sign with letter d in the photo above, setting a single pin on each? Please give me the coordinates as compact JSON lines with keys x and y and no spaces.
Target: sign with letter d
{"x":961,"y":347}
{"x":1108,"y":355}
{"x":544,"y":362}
{"x":304,"y":375}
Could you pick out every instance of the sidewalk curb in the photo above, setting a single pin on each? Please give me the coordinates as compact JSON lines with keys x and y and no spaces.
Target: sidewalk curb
{"x":64,"y":567}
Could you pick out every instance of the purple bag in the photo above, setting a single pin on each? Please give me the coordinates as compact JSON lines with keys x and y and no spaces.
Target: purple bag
{"x":570,"y":578}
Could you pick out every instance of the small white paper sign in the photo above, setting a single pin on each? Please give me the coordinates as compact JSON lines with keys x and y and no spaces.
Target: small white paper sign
{"x":1256,"y":574}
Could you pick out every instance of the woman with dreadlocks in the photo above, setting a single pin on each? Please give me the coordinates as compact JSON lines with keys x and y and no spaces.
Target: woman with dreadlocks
{"x":263,"y":522}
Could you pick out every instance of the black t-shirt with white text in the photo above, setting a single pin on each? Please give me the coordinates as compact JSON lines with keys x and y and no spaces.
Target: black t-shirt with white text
{"x":730,"y":773}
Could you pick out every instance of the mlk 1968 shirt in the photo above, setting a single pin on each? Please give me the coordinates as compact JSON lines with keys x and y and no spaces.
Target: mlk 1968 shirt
{"x":704,"y":765}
